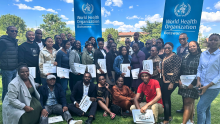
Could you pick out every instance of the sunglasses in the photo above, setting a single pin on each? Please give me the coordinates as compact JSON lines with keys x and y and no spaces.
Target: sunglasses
{"x":167,"y":48}
{"x":12,"y":31}
{"x":159,"y":42}
{"x":182,"y":39}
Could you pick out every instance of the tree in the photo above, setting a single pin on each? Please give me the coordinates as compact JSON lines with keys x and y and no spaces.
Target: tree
{"x":53,"y":25}
{"x":202,"y":41}
{"x":153,"y":30}
{"x":12,"y":20}
{"x":112,"y":31}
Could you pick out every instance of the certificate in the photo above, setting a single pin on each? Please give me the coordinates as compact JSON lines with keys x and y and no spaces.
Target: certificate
{"x":32,"y":71}
{"x":148,"y":65}
{"x":135,"y":73}
{"x":102,"y":64}
{"x":49,"y":68}
{"x":92,"y":70}
{"x":55,"y":119}
{"x":145,"y":118}
{"x":85,"y":103}
{"x":80,"y":68}
{"x":187,"y":79}
{"x":124,"y":69}
{"x":63,"y":72}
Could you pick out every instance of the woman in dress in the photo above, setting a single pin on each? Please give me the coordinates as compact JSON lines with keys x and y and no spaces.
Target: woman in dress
{"x":208,"y":79}
{"x":103,"y":96}
{"x":21,"y":104}
{"x":160,"y":46}
{"x":170,"y":70}
{"x":189,"y":66}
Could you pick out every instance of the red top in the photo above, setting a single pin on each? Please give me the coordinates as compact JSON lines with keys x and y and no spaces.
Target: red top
{"x":149,"y":90}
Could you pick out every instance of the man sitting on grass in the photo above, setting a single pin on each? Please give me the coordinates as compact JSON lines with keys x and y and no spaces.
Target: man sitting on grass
{"x":53,"y":101}
{"x":150,"y":88}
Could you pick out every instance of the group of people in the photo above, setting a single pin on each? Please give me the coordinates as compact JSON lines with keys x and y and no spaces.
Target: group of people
{"x":26,"y":101}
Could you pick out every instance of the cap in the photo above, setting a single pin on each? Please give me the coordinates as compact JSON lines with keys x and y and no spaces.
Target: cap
{"x":50,"y":77}
{"x":144,"y":72}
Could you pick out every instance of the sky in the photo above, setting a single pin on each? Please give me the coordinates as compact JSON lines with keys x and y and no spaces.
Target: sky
{"x":123,"y":15}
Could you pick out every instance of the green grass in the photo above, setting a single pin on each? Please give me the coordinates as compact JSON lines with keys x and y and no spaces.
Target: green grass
{"x":176,"y":104}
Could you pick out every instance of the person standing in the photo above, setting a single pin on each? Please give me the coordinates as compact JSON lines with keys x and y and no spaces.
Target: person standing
{"x":160,"y":45}
{"x":58,"y":42}
{"x":110,"y":41}
{"x":28,"y":52}
{"x":63,"y":36}
{"x":94,"y":44}
{"x":69,"y":35}
{"x":136,"y":62}
{"x":62,"y":59}
{"x":8,"y":57}
{"x":128,"y":46}
{"x":47,"y":56}
{"x":136,"y":40}
{"x":72,"y":40}
{"x":38,"y":39}
{"x":154,"y":41}
{"x":208,"y":79}
{"x":147,"y":49}
{"x":170,"y":71}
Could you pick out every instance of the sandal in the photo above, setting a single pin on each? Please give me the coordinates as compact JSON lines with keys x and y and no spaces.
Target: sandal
{"x":105,"y":114}
{"x":112,"y":115}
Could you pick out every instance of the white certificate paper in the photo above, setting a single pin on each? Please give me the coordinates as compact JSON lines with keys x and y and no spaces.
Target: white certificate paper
{"x":63,"y":72}
{"x":148,"y":65}
{"x":80,"y":68}
{"x":124,"y":69}
{"x":49,"y":68}
{"x":32,"y":71}
{"x":92,"y":70}
{"x":135,"y":73}
{"x":85,"y":103}
{"x":145,"y":118}
{"x":102,"y":64}
{"x":187,"y":79}
{"x":55,"y":119}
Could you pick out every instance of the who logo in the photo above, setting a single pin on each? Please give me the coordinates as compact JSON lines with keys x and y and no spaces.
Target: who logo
{"x":182,"y":10}
{"x":87,"y":8}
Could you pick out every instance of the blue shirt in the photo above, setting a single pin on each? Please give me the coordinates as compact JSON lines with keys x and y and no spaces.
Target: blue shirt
{"x":51,"y":98}
{"x":62,"y":59}
{"x":209,"y":68}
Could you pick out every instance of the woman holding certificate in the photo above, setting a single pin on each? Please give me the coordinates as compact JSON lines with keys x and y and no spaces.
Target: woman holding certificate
{"x":170,"y":70}
{"x":189,"y":66}
{"x":47,"y":56}
{"x":123,"y":58}
{"x":208,"y":79}
{"x":62,"y":60}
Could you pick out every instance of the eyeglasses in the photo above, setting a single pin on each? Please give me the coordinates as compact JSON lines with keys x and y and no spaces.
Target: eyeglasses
{"x":159,"y":42}
{"x":182,"y":39}
{"x":167,"y":48}
{"x":12,"y":31}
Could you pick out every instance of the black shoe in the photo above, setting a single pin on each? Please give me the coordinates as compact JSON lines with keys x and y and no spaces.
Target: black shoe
{"x":179,"y":111}
{"x":88,"y":121}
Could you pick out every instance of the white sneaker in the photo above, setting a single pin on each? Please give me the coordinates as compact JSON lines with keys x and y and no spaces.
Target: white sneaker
{"x":189,"y":122}
{"x":75,"y":122}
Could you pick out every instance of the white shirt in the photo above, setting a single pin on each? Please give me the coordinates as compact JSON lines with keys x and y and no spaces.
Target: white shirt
{"x":131,"y":51}
{"x":103,"y":52}
{"x":85,"y":90}
{"x":41,"y":46}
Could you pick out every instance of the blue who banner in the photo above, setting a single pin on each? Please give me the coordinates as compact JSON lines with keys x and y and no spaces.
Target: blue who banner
{"x":87,"y":14}
{"x":181,"y":16}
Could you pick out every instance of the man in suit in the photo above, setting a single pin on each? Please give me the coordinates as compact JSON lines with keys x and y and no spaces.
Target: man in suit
{"x":38,"y":39}
{"x":81,"y":89}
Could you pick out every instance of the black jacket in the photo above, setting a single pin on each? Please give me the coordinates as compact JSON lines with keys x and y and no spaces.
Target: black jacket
{"x":77,"y":92}
{"x":8,"y":53}
{"x":110,"y":58}
{"x":43,"y":41}
{"x":59,"y":94}
{"x":56,"y":46}
{"x":98,"y":55}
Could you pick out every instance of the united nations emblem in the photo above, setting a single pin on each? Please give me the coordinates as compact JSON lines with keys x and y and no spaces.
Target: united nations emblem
{"x":87,"y":8}
{"x":182,"y":10}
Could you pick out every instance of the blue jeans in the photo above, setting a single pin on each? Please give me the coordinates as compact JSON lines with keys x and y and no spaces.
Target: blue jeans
{"x":64,"y":83}
{"x":204,"y":105}
{"x":43,"y":81}
{"x":7,"y":77}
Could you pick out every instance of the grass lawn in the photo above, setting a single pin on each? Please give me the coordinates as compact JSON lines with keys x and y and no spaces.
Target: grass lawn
{"x":176,"y":104}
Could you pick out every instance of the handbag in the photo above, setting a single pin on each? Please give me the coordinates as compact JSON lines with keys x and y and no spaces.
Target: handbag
{"x":116,"y":109}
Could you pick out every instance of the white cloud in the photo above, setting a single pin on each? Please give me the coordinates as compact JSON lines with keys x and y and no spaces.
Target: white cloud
{"x":214,"y":25}
{"x":28,"y":0}
{"x":209,"y":8}
{"x":64,"y":17}
{"x":105,"y":13}
{"x":210,"y":16}
{"x":126,"y":28}
{"x":68,"y":1}
{"x":140,"y":24}
{"x":154,"y":18}
{"x":112,"y":9}
{"x":130,"y":7}
{"x":16,"y":0}
{"x":115,"y":23}
{"x":114,"y":3}
{"x":134,"y":17}
{"x":204,"y":29}
{"x":39,"y":8}
{"x":59,"y":9}
{"x":137,"y":5}
{"x":103,"y":29}
{"x":217,"y":5}
{"x":70,"y":22}
{"x":72,"y":9}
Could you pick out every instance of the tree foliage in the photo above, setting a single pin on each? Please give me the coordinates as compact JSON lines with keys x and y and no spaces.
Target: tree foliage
{"x":112,"y":31}
{"x":12,"y":20}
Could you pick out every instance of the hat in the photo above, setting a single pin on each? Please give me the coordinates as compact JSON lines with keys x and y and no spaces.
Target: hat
{"x":50,"y":77}
{"x":144,"y":71}
{"x":87,"y":43}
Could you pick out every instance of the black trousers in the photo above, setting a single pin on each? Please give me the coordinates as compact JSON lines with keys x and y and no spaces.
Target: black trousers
{"x":166,"y":94}
{"x":73,"y":79}
{"x":92,"y":110}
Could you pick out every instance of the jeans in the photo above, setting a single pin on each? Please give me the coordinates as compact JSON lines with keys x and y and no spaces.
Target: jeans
{"x":7,"y":77}
{"x":64,"y":83}
{"x":204,"y":105}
